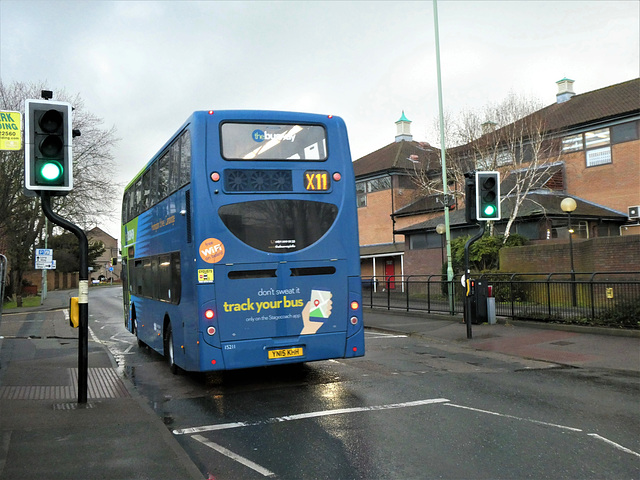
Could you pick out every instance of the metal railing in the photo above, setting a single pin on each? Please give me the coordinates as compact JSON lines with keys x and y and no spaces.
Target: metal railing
{"x":419,"y":293}
{"x":537,"y":296}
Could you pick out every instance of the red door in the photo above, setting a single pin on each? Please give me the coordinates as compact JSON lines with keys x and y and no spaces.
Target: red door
{"x":389,"y":274}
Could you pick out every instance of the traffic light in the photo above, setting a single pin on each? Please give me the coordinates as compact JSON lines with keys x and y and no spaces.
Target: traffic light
{"x":48,"y":158}
{"x":470,"y":197}
{"x":487,"y":196}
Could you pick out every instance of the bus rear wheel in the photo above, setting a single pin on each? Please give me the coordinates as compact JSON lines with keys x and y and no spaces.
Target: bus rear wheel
{"x":169,"y":351}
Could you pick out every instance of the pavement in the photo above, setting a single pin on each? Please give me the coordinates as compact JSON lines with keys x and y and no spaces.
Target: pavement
{"x":46,"y":433}
{"x":569,"y":345}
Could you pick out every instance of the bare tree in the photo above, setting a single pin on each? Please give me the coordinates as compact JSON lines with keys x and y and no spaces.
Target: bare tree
{"x":91,"y":200}
{"x":510,"y":137}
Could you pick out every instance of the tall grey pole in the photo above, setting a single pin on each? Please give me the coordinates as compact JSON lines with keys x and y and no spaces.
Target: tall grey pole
{"x":445,"y":187}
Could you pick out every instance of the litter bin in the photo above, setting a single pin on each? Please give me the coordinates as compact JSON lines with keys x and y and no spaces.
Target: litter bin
{"x":480,"y":314}
{"x":491,"y":306}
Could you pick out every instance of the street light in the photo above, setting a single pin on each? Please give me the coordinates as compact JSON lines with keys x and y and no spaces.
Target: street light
{"x":440,"y":230}
{"x":569,"y":205}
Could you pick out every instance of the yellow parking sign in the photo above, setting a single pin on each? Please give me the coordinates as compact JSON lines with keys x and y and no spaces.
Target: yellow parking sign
{"x":10,"y":130}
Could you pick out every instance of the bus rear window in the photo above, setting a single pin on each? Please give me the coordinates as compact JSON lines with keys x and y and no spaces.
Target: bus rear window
{"x":259,"y":141}
{"x":279,"y":226}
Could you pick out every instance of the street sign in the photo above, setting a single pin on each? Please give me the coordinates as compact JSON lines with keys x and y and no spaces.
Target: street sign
{"x":44,"y":259}
{"x":10,"y":130}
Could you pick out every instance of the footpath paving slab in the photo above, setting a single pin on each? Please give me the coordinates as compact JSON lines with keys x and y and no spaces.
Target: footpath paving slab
{"x":578,"y":347}
{"x":45,"y":433}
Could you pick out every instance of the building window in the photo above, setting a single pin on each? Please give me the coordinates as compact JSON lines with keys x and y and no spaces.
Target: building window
{"x":572,"y":143}
{"x":596,"y":138}
{"x":625,"y":132}
{"x":378,"y":184}
{"x":369,"y":186}
{"x":596,"y":143}
{"x":598,"y":156}
{"x":361,"y":193}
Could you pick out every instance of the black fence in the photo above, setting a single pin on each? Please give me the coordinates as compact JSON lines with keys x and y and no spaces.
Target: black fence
{"x":596,"y":298}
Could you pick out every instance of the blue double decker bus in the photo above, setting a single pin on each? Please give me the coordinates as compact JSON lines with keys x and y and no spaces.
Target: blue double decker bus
{"x":240,"y":243}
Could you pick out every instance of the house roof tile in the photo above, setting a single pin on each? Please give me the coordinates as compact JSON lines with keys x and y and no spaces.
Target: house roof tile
{"x":598,"y":105}
{"x":395,"y":157}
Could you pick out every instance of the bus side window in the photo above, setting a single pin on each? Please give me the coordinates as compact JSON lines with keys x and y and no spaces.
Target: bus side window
{"x":146,"y":190}
{"x":125,"y":206}
{"x":174,"y":171}
{"x":185,"y":154}
{"x":153,"y":183}
{"x":138,"y":198}
{"x":163,"y":176}
{"x":176,"y":280}
{"x":163,"y":278}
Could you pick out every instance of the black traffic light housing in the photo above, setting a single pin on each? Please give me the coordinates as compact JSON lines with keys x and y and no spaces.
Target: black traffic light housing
{"x":48,"y":157}
{"x":487,"y":196}
{"x":470,"y":197}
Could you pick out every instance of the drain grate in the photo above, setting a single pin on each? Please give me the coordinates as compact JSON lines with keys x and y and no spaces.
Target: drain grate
{"x":101,"y":383}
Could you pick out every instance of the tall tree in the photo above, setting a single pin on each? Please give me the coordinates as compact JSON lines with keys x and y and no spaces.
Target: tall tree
{"x":66,"y":252}
{"x":91,"y":200}
{"x":510,"y":137}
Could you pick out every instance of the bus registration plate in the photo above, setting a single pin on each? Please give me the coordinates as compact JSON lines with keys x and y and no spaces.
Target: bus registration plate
{"x":286,"y":353}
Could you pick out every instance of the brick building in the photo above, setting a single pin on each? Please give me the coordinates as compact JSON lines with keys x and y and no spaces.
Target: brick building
{"x":104,"y":271}
{"x":384,"y":185}
{"x":597,"y":138}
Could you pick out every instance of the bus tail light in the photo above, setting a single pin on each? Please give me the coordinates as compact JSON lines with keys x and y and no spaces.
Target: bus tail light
{"x":215,"y":176}
{"x":355,"y":305}
{"x":209,"y":314}
{"x":354,"y":320}
{"x":211,"y":331}
{"x":337,"y":177}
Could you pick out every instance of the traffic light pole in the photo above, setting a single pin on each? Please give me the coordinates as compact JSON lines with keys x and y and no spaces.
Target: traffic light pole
{"x":83,"y":293}
{"x":467,"y":276}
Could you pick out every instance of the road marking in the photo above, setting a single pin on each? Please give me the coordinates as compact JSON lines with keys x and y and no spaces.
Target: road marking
{"x":614,"y":444}
{"x":94,"y":337}
{"x":234,"y":456}
{"x":371,"y":335}
{"x":303,"y":416}
{"x":513,"y":417}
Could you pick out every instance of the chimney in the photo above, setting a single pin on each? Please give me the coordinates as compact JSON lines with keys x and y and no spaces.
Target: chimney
{"x":488,"y":127}
{"x":565,"y":90}
{"x":403,"y":129}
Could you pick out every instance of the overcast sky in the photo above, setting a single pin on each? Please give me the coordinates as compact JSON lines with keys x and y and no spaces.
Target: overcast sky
{"x":146,"y":66}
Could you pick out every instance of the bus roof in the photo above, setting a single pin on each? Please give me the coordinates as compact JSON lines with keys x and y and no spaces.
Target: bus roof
{"x":239,"y":115}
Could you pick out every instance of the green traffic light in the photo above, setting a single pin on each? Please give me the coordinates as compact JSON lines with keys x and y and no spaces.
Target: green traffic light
{"x":51,"y":171}
{"x":489,"y":210}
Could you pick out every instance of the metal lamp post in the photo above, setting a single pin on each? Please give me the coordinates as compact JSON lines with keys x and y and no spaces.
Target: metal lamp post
{"x":568,"y":205}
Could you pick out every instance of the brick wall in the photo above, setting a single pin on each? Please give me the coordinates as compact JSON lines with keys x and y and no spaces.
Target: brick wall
{"x":603,"y":254}
{"x":374,"y":220}
{"x":426,"y":261}
{"x":55,"y":280}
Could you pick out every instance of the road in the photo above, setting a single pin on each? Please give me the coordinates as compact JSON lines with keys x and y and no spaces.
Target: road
{"x":409,"y":409}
